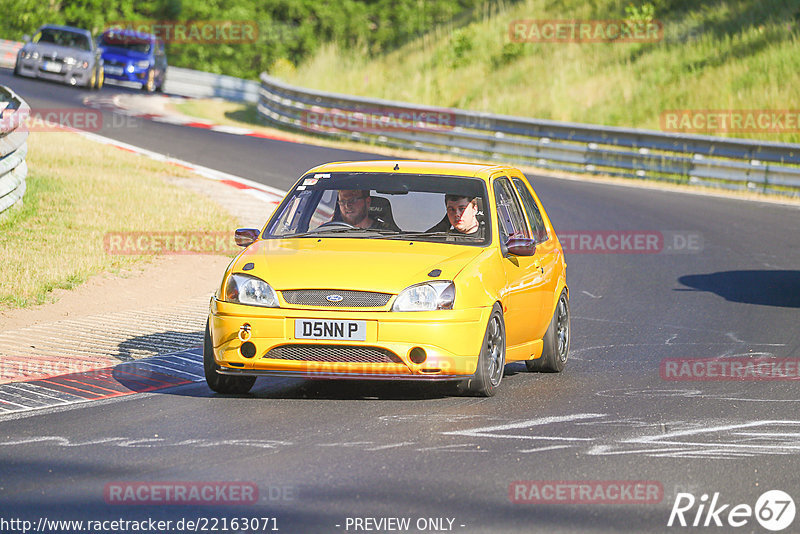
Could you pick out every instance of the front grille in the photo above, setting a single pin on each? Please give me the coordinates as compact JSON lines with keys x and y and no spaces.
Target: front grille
{"x":333,"y":353}
{"x":349,"y":299}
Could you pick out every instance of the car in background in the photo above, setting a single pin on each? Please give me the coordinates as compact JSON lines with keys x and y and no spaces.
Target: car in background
{"x":394,"y":270}
{"x":62,"y":54}
{"x":133,"y":56}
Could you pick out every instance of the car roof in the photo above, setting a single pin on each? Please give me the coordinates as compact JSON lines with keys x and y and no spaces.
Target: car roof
{"x":450,"y":168}
{"x":66,"y":28}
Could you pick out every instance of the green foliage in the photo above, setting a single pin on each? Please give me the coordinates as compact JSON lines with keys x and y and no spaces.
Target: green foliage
{"x":644,"y":13}
{"x":462,"y":45}
{"x":290,"y":30}
{"x":508,"y":54}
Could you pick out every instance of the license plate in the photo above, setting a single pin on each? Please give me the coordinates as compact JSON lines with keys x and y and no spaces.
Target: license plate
{"x":52,"y":66}
{"x":330,"y":329}
{"x":115,"y":71}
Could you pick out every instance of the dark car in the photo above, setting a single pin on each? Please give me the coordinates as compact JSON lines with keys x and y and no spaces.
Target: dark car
{"x":62,"y":54}
{"x":133,"y":56}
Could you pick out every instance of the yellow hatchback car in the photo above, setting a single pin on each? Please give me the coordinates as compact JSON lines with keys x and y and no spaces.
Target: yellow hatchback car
{"x":394,"y":270}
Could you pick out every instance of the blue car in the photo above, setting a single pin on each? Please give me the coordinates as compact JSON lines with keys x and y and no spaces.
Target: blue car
{"x":133,"y":56}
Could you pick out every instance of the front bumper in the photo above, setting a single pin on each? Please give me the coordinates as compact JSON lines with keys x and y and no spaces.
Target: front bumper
{"x":69,"y":74}
{"x":451,"y":340}
{"x":121,"y":72}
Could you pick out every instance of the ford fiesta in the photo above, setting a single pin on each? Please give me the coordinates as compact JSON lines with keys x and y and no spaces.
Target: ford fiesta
{"x":394,"y":270}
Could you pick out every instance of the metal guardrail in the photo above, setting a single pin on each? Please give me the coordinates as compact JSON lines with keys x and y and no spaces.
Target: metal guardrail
{"x":583,"y":148}
{"x":13,"y":149}
{"x":198,"y":84}
{"x":8,"y":53}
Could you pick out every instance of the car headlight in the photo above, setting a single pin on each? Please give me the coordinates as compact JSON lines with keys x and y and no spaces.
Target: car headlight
{"x":143,"y":64}
{"x":428,"y":296}
{"x":69,"y":60}
{"x":247,"y":289}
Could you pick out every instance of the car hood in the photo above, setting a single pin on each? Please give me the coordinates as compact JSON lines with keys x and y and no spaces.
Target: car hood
{"x":49,"y":49}
{"x":386,"y":266}
{"x":116,"y":54}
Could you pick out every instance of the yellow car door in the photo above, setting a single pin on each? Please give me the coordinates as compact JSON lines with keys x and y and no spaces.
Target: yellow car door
{"x":548,"y":256}
{"x":524,"y":289}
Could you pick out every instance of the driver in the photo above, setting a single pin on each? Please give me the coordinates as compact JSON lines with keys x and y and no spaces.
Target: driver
{"x":462,"y":212}
{"x":354,"y":206}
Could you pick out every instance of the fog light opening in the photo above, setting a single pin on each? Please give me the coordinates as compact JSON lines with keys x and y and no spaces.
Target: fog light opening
{"x":247,"y":350}
{"x":417,"y":355}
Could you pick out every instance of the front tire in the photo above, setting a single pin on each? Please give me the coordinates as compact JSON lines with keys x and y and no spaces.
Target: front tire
{"x":492,"y":359}
{"x":101,"y":76}
{"x":555,"y":349}
{"x":150,"y":84}
{"x":222,"y":383}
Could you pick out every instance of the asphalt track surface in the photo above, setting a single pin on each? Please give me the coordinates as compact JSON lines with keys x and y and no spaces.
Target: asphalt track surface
{"x":322,"y":452}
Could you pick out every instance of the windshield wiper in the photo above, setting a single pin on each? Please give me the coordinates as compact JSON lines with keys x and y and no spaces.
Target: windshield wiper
{"x":413,"y":235}
{"x":323,"y":231}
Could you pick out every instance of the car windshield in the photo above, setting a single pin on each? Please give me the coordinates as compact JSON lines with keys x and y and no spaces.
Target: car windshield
{"x":63,"y":38}
{"x":384,"y":206}
{"x":126,"y":42}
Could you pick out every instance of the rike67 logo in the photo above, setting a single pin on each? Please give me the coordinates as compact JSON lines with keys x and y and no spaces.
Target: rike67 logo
{"x":774,"y":510}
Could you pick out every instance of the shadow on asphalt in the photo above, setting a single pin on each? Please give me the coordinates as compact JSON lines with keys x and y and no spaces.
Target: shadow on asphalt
{"x":313,"y":389}
{"x":157,"y":343}
{"x":767,"y":288}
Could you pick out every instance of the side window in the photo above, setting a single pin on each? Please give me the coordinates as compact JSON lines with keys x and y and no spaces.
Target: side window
{"x":532,"y":209}
{"x":290,"y":220}
{"x":509,"y":213}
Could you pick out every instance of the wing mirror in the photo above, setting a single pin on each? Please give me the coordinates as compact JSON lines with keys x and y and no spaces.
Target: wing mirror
{"x":521,"y":246}
{"x":246,"y":236}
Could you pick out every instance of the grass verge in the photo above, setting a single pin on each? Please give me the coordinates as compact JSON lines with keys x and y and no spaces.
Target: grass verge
{"x":78,"y":191}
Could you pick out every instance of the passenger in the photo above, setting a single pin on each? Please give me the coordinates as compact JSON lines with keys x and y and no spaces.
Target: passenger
{"x":462,"y":212}
{"x":354,"y":206}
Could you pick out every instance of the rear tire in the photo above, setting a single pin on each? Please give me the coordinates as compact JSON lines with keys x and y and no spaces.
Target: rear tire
{"x":492,"y":359}
{"x":555,"y":349}
{"x":222,"y":383}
